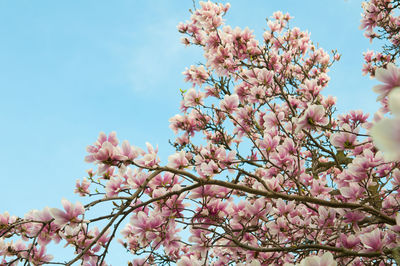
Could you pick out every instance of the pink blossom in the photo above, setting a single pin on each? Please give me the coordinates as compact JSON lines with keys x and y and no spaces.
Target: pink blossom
{"x":189,"y":261}
{"x":144,"y":226}
{"x":70,"y":215}
{"x":390,"y":77}
{"x":265,"y":77}
{"x":283,"y":207}
{"x":195,"y":74}
{"x":93,"y":149}
{"x":176,"y":122}
{"x":319,"y":188}
{"x":373,"y":240}
{"x":150,"y":158}
{"x":19,"y":246}
{"x":45,"y":234}
{"x":82,"y":188}
{"x":352,"y":192}
{"x":114,"y":186}
{"x":208,"y":169}
{"x":193,"y":98}
{"x":229,"y":103}
{"x":344,"y":140}
{"x":271,"y":120}
{"x":274,"y":26}
{"x":329,"y":101}
{"x":109,"y":152}
{"x":6,"y":219}
{"x":136,"y":178}
{"x":178,"y":160}
{"x":168,"y":180}
{"x":313,"y":116}
{"x":104,"y":238}
{"x":349,"y":241}
{"x":171,"y":239}
{"x":37,"y":215}
{"x":131,"y":152}
{"x":311,"y":87}
{"x":353,"y":217}
{"x":324,"y":260}
{"x":278,"y":226}
{"x":40,"y":256}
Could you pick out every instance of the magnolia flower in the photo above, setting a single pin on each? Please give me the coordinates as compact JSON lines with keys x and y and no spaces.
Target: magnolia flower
{"x":390,"y":77}
{"x":324,"y":260}
{"x":178,"y":160}
{"x":82,"y":188}
{"x":229,"y":103}
{"x":352,"y":192}
{"x":193,"y":98}
{"x":40,"y":256}
{"x":71,"y":213}
{"x":349,"y":241}
{"x":344,"y":139}
{"x":195,"y":74}
{"x":373,"y":240}
{"x":386,"y":136}
{"x":5,"y":218}
{"x":43,"y":215}
{"x":314,"y":115}
{"x":189,"y":261}
{"x":131,"y":152}
{"x":114,"y":186}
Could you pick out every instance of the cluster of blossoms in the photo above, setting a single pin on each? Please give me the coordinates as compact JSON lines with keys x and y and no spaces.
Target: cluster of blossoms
{"x":381,"y":20}
{"x":264,"y":172}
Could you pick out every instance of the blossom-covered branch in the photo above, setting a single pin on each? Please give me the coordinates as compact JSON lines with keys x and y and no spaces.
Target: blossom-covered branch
{"x":265,"y":172}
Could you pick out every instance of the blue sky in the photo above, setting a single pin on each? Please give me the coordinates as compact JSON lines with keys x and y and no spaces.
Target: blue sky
{"x":70,"y":69}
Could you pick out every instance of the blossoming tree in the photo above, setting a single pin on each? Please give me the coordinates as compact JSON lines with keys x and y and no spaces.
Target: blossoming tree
{"x":264,"y":172}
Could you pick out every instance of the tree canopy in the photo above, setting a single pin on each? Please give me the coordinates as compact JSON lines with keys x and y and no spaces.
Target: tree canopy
{"x":265,"y":171}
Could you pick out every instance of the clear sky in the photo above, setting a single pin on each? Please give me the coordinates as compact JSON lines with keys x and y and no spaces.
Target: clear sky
{"x":70,"y":69}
